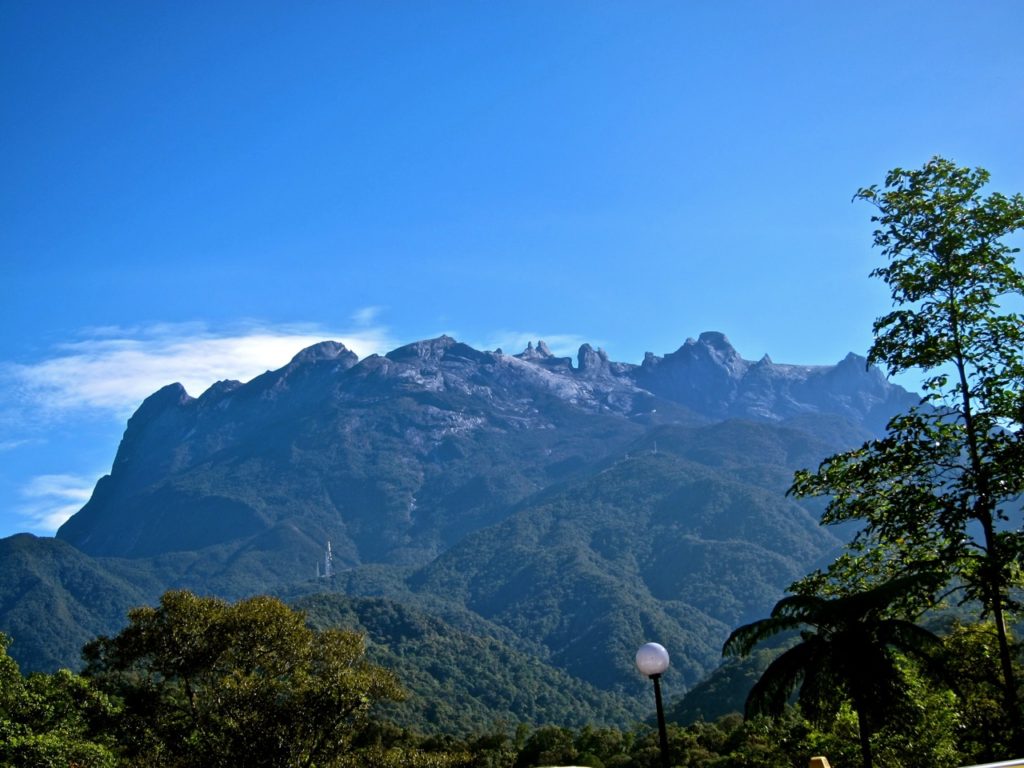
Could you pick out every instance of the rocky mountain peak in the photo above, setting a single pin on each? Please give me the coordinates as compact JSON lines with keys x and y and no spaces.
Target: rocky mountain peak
{"x":540,"y":352}
{"x":593,"y":363}
{"x":857,"y":366}
{"x":326,"y":350}
{"x":709,"y":357}
{"x":714,"y":347}
{"x":853,"y":373}
{"x":432,"y":402}
{"x":220,"y":388}
{"x":717,"y":340}
{"x":170,"y":396}
{"x":432,"y":350}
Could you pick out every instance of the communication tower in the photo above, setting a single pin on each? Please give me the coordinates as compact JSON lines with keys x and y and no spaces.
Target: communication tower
{"x":328,"y":562}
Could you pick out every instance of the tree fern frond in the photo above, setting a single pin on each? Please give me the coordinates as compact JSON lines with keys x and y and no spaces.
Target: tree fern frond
{"x":780,"y":679}
{"x":743,"y":639}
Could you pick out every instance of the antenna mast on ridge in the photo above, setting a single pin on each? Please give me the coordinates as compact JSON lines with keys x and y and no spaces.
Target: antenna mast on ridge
{"x":328,"y":562}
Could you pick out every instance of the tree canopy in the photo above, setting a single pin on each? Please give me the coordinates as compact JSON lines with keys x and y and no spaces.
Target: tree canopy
{"x":52,"y":720}
{"x":208,"y":683}
{"x":939,"y":489}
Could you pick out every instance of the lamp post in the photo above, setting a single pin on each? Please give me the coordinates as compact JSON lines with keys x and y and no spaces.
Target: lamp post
{"x":652,"y":660}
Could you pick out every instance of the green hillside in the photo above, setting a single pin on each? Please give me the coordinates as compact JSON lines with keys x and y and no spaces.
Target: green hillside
{"x":464,"y":683}
{"x":53,"y":599}
{"x":653,"y":547}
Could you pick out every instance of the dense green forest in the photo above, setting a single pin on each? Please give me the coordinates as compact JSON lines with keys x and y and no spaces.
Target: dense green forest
{"x":900,"y":652}
{"x":200,"y":682}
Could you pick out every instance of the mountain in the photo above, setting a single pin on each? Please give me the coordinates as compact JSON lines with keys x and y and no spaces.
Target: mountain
{"x":654,"y":544}
{"x":564,"y":510}
{"x":53,"y":599}
{"x":393,"y":459}
{"x":710,"y":377}
{"x":396,"y":458}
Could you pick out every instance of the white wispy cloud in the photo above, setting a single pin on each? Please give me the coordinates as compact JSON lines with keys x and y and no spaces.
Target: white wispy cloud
{"x":560,"y":344}
{"x":10,"y":445}
{"x":366,"y":315}
{"x":49,"y":500}
{"x":114,"y":369}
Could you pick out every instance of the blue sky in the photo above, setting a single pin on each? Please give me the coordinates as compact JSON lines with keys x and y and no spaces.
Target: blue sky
{"x":195,"y":191}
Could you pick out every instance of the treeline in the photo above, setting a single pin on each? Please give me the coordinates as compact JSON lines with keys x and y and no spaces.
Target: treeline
{"x":200,"y":682}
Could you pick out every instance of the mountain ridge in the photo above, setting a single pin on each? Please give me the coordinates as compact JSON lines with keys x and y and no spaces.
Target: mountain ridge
{"x":459,"y":392}
{"x":566,"y":509}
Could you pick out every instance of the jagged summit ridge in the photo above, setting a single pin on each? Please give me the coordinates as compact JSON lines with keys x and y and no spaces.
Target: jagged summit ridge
{"x":395,"y":457}
{"x":706,"y":375}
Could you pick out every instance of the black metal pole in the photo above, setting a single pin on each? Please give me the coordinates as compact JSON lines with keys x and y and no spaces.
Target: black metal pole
{"x":662,"y":733}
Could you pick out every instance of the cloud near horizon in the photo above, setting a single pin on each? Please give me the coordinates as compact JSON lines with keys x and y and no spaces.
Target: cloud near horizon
{"x":108,"y":371}
{"x":115,"y":369}
{"x":51,"y":499}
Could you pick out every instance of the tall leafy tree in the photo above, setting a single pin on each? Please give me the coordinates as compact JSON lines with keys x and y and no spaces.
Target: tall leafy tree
{"x":945,"y":483}
{"x":847,"y":651}
{"x":207,"y":683}
{"x":52,"y":720}
{"x":972,"y":660}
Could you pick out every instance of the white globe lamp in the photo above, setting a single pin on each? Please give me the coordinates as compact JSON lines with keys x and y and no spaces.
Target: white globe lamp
{"x":652,"y":661}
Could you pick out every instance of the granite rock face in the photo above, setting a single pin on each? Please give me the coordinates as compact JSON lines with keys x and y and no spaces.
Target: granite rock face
{"x":709,"y":376}
{"x":394,"y":458}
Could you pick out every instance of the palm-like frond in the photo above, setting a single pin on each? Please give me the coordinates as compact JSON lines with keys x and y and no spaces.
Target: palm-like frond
{"x":777,"y":683}
{"x":912,"y":640}
{"x":829,"y":615}
{"x":908,"y":637}
{"x":846,"y":652}
{"x":799,"y":606}
{"x":876,"y":601}
{"x":743,"y":639}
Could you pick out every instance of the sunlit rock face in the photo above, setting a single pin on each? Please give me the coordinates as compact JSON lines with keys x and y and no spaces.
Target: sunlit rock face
{"x":396,"y":457}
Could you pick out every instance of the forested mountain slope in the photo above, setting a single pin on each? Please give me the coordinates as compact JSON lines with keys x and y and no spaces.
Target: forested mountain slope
{"x":565,"y":510}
